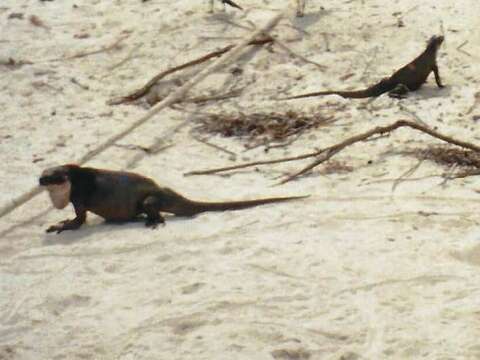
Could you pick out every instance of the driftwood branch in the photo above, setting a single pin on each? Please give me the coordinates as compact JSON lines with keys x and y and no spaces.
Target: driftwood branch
{"x":144,"y":89}
{"x":325,"y":154}
{"x":250,"y":164}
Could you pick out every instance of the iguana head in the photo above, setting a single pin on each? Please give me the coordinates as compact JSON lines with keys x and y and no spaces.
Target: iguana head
{"x":435,"y":42}
{"x":57,"y":181}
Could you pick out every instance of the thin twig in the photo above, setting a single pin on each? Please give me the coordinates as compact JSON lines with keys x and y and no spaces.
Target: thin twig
{"x":161,"y":143}
{"x":93,"y":52}
{"x":75,"y":81}
{"x":301,"y":31}
{"x":124,"y":60}
{"x":145,"y":149}
{"x":291,"y":52}
{"x":410,"y":10}
{"x":235,"y":24}
{"x":207,"y":38}
{"x":369,"y":63}
{"x":250,"y":164}
{"x":465,"y":174}
{"x":459,"y":48}
{"x":448,"y":175}
{"x":301,"y":57}
{"x":406,"y":174}
{"x":283,"y":144}
{"x":153,"y":150}
{"x":412,"y":113}
{"x":144,"y":89}
{"x":217,"y":147}
{"x":202,"y":99}
{"x":476,"y":99}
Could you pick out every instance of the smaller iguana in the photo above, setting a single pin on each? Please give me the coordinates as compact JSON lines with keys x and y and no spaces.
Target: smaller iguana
{"x":408,"y":78}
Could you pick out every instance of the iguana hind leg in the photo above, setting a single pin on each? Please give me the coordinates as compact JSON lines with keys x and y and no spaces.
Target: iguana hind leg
{"x":150,"y":206}
{"x":399,"y":92}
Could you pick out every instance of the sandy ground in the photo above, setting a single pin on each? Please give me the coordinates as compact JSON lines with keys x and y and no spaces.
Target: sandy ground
{"x":357,"y":271}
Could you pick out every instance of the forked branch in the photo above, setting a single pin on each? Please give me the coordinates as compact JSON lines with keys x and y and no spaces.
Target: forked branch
{"x":136,"y":94}
{"x":325,"y":154}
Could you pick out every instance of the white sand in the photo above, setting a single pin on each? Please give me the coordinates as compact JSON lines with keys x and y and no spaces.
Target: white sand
{"x":354,"y":272}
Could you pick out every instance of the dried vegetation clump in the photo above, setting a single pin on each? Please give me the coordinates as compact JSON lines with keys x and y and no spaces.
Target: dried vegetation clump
{"x":449,"y":156}
{"x":261,"y":128}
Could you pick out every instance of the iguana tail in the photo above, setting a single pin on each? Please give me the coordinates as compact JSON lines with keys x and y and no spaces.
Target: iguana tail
{"x":378,"y":89}
{"x":189,"y":207}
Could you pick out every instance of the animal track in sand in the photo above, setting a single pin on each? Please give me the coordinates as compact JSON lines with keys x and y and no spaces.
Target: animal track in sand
{"x":192,"y":288}
{"x":291,"y":354}
{"x":7,"y":352}
{"x":186,"y":326}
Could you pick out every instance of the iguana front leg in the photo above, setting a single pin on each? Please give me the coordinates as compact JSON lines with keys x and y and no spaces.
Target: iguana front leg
{"x":437,"y":76}
{"x":81,"y":216}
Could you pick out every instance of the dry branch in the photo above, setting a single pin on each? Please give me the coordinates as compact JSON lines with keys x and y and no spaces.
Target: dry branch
{"x":325,"y":154}
{"x":144,"y":89}
{"x":301,"y":57}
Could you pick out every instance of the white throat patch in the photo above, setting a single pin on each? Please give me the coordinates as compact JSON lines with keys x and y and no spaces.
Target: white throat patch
{"x":60,"y":194}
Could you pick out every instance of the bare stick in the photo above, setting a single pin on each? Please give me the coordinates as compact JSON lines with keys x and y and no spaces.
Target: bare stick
{"x":169,"y":100}
{"x":216,"y":147}
{"x":203,"y":99}
{"x":144,"y":89}
{"x":476,"y":99}
{"x":282,"y":45}
{"x":459,"y":48}
{"x":406,"y":174}
{"x":75,"y":81}
{"x":250,"y":164}
{"x":93,"y":52}
{"x":410,"y":112}
{"x":301,"y":57}
{"x":22,"y":199}
{"x":369,"y":64}
{"x":123,"y":61}
{"x":326,"y":153}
